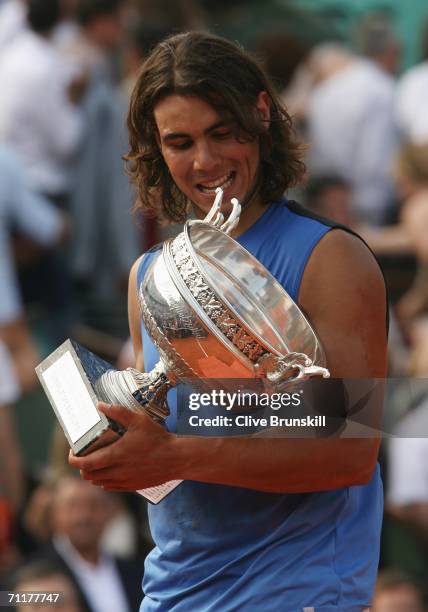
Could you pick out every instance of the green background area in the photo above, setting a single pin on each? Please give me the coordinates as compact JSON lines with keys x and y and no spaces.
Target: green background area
{"x":313,"y":21}
{"x":408,"y":17}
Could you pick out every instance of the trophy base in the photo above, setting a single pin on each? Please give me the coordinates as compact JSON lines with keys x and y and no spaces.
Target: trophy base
{"x":70,"y":378}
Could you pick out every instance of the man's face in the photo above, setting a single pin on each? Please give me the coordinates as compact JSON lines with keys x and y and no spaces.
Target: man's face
{"x":202,"y":152}
{"x":81,"y":512}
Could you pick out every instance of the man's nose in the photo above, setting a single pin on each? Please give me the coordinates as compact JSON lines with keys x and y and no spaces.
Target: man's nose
{"x":205,"y":157}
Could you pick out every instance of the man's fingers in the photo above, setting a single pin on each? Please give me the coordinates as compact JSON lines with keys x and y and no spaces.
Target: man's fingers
{"x":100,"y":473}
{"x":117,"y":413}
{"x":111,"y":485}
{"x":104,"y":457}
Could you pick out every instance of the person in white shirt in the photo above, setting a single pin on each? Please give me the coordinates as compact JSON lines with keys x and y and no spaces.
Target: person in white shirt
{"x":407,"y":492}
{"x":41,"y":120}
{"x":38,"y":116}
{"x":408,"y":460}
{"x":411,"y":105}
{"x":351,"y":130}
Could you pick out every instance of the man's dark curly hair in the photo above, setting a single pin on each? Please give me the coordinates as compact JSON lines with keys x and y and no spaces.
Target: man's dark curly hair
{"x":230,"y":80}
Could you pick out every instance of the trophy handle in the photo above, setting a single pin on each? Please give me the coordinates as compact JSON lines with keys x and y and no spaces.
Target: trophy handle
{"x":289,"y":368}
{"x":216,"y":218}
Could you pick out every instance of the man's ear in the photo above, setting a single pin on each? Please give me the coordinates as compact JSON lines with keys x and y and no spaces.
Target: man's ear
{"x":263,"y":107}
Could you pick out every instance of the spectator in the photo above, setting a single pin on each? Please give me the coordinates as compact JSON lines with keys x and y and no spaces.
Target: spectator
{"x":412,"y":99}
{"x":37,"y":117}
{"x":66,"y":31}
{"x":376,"y":40}
{"x":29,"y":214}
{"x":80,"y":514}
{"x":417,"y":362}
{"x":24,"y":211}
{"x":36,"y":520}
{"x":407,"y":490}
{"x":12,"y":21}
{"x":396,"y":593}
{"x":41,"y":121}
{"x":45,"y":577}
{"x":330,"y":196}
{"x":409,"y":235}
{"x":105,"y":239}
{"x":408,"y":470}
{"x":140,"y":40}
{"x":351,"y":129}
{"x":412,"y":179}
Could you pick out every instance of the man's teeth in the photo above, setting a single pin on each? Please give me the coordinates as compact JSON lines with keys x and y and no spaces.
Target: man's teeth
{"x":223,"y":182}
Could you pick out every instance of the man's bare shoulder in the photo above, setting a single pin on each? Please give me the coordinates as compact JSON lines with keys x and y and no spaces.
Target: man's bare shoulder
{"x":341,"y":255}
{"x":344,"y":296}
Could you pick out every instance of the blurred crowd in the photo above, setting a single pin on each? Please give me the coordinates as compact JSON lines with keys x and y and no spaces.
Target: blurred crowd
{"x":68,"y":238}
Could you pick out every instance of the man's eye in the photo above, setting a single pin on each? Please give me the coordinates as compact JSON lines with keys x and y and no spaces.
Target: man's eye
{"x":223,"y":134}
{"x":180,"y":145}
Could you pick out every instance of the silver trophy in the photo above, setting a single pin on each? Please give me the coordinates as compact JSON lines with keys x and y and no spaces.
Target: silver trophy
{"x":214,"y":312}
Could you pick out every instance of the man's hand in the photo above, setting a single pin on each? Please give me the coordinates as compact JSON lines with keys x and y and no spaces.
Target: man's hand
{"x":143,"y":457}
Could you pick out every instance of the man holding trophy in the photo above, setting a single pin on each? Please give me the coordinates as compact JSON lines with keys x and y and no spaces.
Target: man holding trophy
{"x":259,"y":523}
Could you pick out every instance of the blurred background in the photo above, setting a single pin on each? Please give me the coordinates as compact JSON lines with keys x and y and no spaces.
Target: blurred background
{"x":354,"y":76}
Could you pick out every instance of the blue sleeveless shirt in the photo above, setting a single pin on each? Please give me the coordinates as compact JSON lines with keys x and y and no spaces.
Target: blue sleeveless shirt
{"x":221,"y":548}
